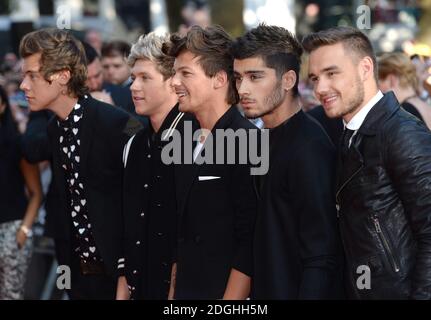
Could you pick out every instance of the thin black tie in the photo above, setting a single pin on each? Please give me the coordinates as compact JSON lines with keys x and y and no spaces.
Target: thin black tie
{"x":345,"y":142}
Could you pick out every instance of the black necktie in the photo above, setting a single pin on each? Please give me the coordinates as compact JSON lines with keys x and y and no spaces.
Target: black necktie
{"x":347,"y":135}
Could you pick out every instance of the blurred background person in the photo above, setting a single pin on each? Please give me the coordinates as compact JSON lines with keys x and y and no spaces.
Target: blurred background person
{"x":423,"y":71}
{"x":107,"y":92}
{"x":397,"y":73}
{"x":18,"y":208}
{"x":94,"y":38}
{"x":114,"y":63}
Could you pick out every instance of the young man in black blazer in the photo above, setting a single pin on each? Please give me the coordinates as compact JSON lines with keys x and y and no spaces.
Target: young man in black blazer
{"x":296,"y":247}
{"x":150,"y":211}
{"x":216,"y":202}
{"x":86,"y":137}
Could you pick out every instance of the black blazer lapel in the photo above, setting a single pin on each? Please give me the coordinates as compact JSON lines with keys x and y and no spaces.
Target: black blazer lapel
{"x":185,"y":176}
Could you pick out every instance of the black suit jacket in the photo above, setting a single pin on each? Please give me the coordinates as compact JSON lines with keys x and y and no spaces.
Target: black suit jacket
{"x":104,"y":132}
{"x":216,"y":219}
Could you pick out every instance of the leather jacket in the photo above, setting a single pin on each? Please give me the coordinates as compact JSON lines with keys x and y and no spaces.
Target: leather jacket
{"x":384,"y":205}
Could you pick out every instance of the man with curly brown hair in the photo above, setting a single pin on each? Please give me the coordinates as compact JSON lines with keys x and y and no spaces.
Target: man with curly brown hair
{"x":86,"y":140}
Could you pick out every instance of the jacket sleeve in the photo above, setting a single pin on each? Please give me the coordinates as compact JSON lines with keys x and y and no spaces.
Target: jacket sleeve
{"x":35,"y":143}
{"x":312,"y":182}
{"x":131,"y":127}
{"x":245,"y":203}
{"x":408,"y":158}
{"x":245,"y":215}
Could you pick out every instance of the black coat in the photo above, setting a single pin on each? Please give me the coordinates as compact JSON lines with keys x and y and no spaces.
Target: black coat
{"x":104,"y":132}
{"x":384,"y":198}
{"x":297,"y":251}
{"x":150,"y":211}
{"x":216,"y":219}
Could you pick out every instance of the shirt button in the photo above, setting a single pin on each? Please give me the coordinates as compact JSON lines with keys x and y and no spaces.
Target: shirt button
{"x":138,"y":243}
{"x":159,"y":234}
{"x":149,"y":156}
{"x":145,"y":186}
{"x":142,"y":214}
{"x":135,"y":271}
{"x":158,"y":177}
{"x":159,"y":205}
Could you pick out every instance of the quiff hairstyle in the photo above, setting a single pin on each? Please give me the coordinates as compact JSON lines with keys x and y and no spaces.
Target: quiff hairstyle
{"x":149,"y":47}
{"x":278,"y":48}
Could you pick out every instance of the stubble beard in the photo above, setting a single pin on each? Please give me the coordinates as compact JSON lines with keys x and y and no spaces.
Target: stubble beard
{"x":357,"y":100}
{"x":270,"y":102}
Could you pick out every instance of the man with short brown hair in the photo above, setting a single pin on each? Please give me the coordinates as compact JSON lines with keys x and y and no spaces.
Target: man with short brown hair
{"x":384,"y":171}
{"x":216,"y":202}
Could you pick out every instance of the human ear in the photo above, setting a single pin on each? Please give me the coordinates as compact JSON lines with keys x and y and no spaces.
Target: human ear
{"x":63,"y":77}
{"x":220,"y":79}
{"x":288,"y":80}
{"x":367,"y":68}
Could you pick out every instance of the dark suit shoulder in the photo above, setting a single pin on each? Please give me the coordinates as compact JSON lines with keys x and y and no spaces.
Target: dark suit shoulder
{"x":111,"y":118}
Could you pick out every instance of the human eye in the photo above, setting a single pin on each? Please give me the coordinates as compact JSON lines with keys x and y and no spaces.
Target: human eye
{"x":254,"y":77}
{"x":331,"y":73}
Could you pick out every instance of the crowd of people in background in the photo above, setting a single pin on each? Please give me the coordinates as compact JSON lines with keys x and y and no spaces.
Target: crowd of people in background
{"x":235,"y":236}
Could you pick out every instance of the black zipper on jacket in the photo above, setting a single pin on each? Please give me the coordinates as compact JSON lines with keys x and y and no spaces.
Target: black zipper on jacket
{"x":337,"y":203}
{"x":385,"y":243}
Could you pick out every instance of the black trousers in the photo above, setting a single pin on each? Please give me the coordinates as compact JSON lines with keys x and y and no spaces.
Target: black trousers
{"x":84,"y":287}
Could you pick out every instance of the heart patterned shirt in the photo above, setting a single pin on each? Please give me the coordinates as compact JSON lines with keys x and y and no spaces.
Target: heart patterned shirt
{"x":70,"y":144}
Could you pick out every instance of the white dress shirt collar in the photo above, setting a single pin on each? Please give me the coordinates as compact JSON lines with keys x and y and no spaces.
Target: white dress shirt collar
{"x":356,"y":122}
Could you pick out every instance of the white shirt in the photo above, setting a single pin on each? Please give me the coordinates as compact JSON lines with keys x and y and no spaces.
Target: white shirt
{"x":356,"y":122}
{"x":197,"y":150}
